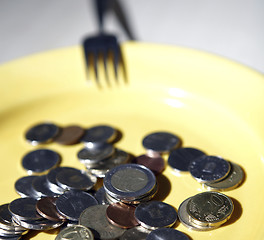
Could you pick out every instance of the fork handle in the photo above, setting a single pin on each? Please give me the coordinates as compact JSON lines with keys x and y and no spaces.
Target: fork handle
{"x":101,"y":7}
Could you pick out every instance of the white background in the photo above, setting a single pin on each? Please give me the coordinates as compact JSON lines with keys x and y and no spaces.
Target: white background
{"x":230,"y":28}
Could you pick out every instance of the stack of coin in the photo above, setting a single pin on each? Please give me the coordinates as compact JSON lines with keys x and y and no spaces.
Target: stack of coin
{"x":130,"y":183}
{"x":205,"y":211}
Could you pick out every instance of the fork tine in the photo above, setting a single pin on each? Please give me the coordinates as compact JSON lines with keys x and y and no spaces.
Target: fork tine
{"x":116,"y":59}
{"x":105,"y":57}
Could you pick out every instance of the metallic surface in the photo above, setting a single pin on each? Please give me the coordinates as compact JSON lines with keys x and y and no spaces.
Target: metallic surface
{"x":24,"y":208}
{"x":72,"y":203}
{"x":161,"y":141}
{"x":234,"y":178}
{"x":42,"y":188}
{"x":179,"y":159}
{"x":167,"y":234}
{"x":46,"y":207}
{"x":135,"y":233}
{"x":74,"y":179}
{"x":155,"y":164}
{"x":40,"y":161}
{"x":41,"y":133}
{"x":95,"y":219}
{"x":185,"y":218}
{"x":129,"y":181}
{"x":121,"y":215}
{"x":209,"y":168}
{"x":99,"y":134}
{"x":155,"y":214}
{"x":95,"y":154}
{"x":24,"y":188}
{"x":76,"y":232}
{"x":100,"y":196}
{"x":210,"y":208}
{"x":69,"y":135}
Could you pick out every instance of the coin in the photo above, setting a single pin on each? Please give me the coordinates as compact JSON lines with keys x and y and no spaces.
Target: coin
{"x":185,"y":218}
{"x":46,"y":207}
{"x":179,"y":159}
{"x":74,"y":179}
{"x":155,"y":214}
{"x":24,"y":208}
{"x":40,"y":161}
{"x":210,"y":208}
{"x":77,"y":232}
{"x":72,"y":203}
{"x":138,"y":233}
{"x":69,"y":135}
{"x":99,"y":134}
{"x":161,"y":141}
{"x":234,"y":178}
{"x":24,"y":188}
{"x":41,"y":186}
{"x":167,"y":234}
{"x":100,"y":196}
{"x":38,"y":224}
{"x":41,"y":133}
{"x":121,"y":215}
{"x":209,"y":168}
{"x":92,"y":156}
{"x":155,"y":164}
{"x":129,"y":182}
{"x":94,"y":218}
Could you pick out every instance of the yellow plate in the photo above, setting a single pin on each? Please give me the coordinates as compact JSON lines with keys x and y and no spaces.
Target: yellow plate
{"x":211,"y":103}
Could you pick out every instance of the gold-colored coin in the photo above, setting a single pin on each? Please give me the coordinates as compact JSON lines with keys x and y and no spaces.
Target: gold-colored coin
{"x":210,"y":209}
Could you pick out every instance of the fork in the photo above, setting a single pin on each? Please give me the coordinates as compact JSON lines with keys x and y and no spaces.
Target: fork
{"x":103,"y":47}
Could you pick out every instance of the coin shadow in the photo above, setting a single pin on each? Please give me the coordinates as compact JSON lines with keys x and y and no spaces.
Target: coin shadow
{"x":244,"y":178}
{"x":237,"y":213}
{"x":164,"y":187}
{"x":118,"y":136}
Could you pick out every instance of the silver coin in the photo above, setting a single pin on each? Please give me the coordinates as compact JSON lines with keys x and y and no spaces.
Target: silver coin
{"x":129,"y":182}
{"x":185,"y":218}
{"x":6,"y":220}
{"x":155,"y":214}
{"x":40,"y":161}
{"x":6,"y":232}
{"x":99,"y":134}
{"x":15,"y":237}
{"x":120,"y":157}
{"x":52,"y":179}
{"x":95,"y":219}
{"x":24,"y":209}
{"x":72,"y":203}
{"x":74,"y":179}
{"x":95,"y":154}
{"x":210,"y":208}
{"x":41,"y":186}
{"x":138,"y":233}
{"x":38,"y":224}
{"x":24,"y":188}
{"x":209,"y":168}
{"x":167,"y":234}
{"x":76,"y":232}
{"x":234,"y":178}
{"x":42,"y":133}
{"x":161,"y":142}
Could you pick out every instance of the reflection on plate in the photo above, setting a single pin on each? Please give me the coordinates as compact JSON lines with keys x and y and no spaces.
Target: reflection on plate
{"x":209,"y":102}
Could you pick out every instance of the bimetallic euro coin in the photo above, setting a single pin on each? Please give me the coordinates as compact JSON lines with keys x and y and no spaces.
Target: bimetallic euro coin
{"x":76,"y":232}
{"x":42,"y":133}
{"x":94,"y":218}
{"x":209,"y":168}
{"x":155,"y":214}
{"x":129,"y":182}
{"x":234,"y":178}
{"x":210,"y":208}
